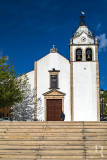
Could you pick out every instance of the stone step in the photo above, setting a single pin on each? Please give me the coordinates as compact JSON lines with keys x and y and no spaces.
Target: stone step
{"x":56,"y":123}
{"x":51,"y":158}
{"x":50,"y":134}
{"x":51,"y":127}
{"x":51,"y":151}
{"x":65,"y":138}
{"x":53,"y":140}
{"x":44,"y":157}
{"x":43,"y":152}
{"x":35,"y":157}
{"x":49,"y":130}
{"x":53,"y":147}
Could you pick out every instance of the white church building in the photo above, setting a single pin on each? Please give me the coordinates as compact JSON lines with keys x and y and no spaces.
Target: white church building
{"x":71,"y":86}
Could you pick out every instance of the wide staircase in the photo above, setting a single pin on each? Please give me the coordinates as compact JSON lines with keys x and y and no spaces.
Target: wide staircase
{"x":53,"y":140}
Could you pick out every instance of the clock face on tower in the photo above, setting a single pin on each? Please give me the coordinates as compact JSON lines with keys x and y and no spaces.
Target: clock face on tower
{"x":83,"y":39}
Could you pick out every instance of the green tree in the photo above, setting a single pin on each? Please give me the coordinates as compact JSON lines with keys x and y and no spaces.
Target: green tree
{"x":103,"y":99}
{"x":11,"y":88}
{"x":105,"y":102}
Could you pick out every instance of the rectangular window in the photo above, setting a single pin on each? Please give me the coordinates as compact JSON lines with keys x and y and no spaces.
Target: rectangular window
{"x":54,"y":81}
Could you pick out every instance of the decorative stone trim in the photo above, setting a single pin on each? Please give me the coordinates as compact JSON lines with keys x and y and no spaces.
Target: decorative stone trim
{"x":71,"y":91}
{"x":53,"y":94}
{"x":83,"y":44}
{"x":84,"y":56}
{"x":98,"y":95}
{"x":53,"y":72}
{"x":96,"y":53}
{"x":71,"y":53}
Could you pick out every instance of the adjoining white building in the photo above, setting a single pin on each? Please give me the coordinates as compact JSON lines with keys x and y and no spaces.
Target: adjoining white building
{"x":68,"y":86}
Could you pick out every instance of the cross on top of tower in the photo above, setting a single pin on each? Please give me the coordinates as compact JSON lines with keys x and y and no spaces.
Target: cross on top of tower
{"x":53,"y":50}
{"x":53,"y":46}
{"x":82,"y":21}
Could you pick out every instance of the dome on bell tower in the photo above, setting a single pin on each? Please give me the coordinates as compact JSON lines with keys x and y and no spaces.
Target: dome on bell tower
{"x":82,"y":27}
{"x":83,"y":35}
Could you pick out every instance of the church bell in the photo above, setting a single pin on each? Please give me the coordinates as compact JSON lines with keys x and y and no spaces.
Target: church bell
{"x":78,"y":57}
{"x":88,"y":57}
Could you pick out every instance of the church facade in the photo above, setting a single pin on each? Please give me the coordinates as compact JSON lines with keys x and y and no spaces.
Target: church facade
{"x":68,"y":86}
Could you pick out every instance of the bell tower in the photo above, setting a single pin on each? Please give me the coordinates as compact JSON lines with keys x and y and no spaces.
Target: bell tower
{"x":84,"y":74}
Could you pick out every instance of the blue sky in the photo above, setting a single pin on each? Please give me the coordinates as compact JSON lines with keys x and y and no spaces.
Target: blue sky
{"x":29,"y":28}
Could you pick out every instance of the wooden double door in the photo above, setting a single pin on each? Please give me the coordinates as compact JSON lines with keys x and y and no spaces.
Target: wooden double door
{"x":54,"y":109}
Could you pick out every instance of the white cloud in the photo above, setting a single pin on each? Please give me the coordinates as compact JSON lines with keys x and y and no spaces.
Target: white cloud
{"x":103,"y":41}
{"x":98,"y":26}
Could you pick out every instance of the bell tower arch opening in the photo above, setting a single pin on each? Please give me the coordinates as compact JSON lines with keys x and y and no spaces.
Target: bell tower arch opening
{"x":78,"y":54}
{"x":88,"y":54}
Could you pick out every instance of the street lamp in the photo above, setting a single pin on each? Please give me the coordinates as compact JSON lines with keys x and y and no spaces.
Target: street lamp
{"x":102,"y":92}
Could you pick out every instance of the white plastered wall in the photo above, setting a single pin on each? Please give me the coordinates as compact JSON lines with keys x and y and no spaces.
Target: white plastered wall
{"x":30,"y":76}
{"x":84,"y":91}
{"x":50,"y":61}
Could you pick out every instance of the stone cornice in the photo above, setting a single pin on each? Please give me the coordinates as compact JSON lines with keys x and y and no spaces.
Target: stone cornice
{"x":83,"y":44}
